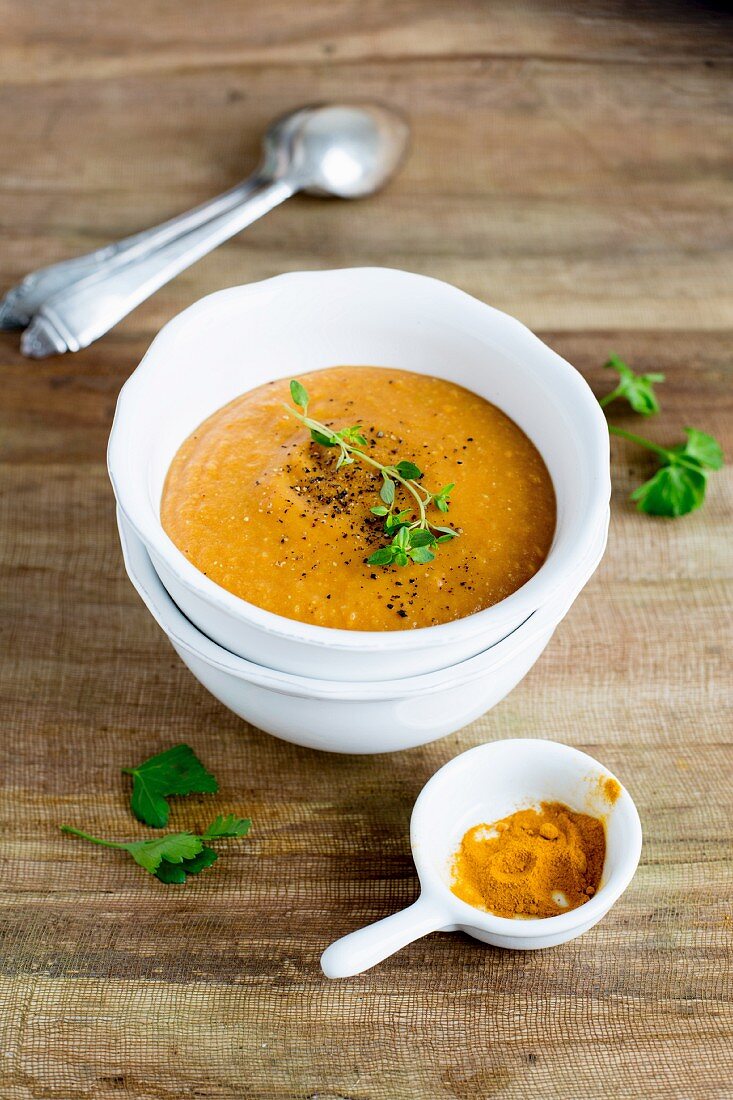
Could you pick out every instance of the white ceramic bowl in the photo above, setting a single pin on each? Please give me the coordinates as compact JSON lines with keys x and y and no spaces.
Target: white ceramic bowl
{"x":338,"y":716}
{"x":486,"y":784}
{"x":240,"y":338}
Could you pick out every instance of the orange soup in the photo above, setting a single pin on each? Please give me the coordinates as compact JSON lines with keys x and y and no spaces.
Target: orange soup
{"x":263,"y":510}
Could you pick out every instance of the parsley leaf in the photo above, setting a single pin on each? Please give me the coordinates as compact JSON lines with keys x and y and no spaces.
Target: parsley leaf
{"x":678,"y":487}
{"x":672,"y":491}
{"x":175,"y":771}
{"x":179,"y":872}
{"x":702,"y":448}
{"x":228,"y":825}
{"x":174,"y":847}
{"x":637,"y":389}
{"x":175,"y":856}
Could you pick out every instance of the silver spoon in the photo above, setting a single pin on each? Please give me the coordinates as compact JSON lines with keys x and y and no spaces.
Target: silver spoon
{"x":344,"y":151}
{"x":22,"y":301}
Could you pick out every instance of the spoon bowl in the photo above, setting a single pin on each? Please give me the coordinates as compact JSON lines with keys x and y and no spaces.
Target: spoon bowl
{"x":345,"y":151}
{"x":487,"y":784}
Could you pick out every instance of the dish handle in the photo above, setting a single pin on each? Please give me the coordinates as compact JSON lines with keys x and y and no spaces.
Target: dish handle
{"x":359,"y":951}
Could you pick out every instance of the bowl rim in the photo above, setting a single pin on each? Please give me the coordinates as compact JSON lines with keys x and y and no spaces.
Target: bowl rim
{"x":467,"y":916}
{"x":559,"y":563}
{"x":183,"y":634}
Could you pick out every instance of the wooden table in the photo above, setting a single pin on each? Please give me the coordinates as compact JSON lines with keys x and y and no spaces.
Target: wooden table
{"x":568,"y":166}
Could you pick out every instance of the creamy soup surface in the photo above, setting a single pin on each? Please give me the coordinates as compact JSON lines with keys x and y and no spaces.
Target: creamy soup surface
{"x":263,"y":512}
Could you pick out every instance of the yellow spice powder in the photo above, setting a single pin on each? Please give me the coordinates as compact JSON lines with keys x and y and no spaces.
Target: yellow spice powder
{"x":609,"y":789}
{"x":534,"y":863}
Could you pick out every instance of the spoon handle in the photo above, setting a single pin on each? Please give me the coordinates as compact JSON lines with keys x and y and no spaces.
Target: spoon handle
{"x":361,"y":950}
{"x":75,"y":317}
{"x":22,"y":301}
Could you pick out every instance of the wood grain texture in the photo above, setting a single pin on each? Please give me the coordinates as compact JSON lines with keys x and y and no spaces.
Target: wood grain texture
{"x":571,"y":166}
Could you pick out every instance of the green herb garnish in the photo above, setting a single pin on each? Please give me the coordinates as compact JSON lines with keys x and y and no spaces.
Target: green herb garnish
{"x":175,"y":856}
{"x":637,"y":389}
{"x":175,"y":771}
{"x":413,"y":539}
{"x":679,"y":485}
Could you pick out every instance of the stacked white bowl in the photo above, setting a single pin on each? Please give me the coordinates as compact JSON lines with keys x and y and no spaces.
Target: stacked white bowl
{"x":344,"y":690}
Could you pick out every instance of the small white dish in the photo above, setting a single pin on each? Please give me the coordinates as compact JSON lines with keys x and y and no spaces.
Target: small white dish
{"x":239,"y":338}
{"x":350,"y":717}
{"x":486,"y":784}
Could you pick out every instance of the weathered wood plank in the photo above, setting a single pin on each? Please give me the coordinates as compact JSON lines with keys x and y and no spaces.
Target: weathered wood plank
{"x":551,"y":192}
{"x":571,"y":165}
{"x":95,"y":947}
{"x":49,"y":42}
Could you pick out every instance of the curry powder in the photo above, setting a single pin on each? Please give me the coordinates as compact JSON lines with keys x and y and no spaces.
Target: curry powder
{"x":534,"y":863}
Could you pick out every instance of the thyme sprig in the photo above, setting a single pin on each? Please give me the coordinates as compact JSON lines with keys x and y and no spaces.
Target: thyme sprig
{"x":413,"y":539}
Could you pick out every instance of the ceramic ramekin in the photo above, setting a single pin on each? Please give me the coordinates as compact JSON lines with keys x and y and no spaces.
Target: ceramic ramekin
{"x":486,"y":784}
{"x":240,"y":338}
{"x":339,"y":716}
